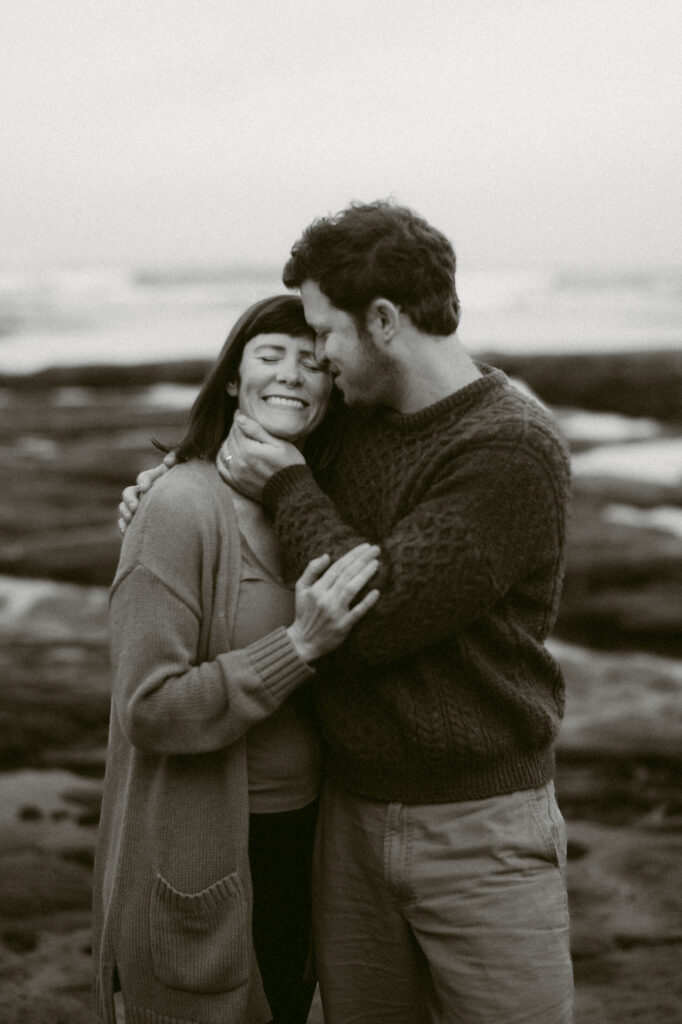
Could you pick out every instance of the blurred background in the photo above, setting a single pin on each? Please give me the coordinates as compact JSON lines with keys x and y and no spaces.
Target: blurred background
{"x":158,"y":161}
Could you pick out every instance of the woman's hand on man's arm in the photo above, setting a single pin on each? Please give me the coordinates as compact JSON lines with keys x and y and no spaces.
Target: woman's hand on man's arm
{"x":325,"y":593}
{"x":130,"y":498}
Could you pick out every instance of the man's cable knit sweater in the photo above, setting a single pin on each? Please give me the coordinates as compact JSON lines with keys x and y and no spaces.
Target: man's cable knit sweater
{"x":444,"y":690}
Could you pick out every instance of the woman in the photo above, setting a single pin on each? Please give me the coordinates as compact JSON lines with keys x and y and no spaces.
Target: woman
{"x":212,"y":770}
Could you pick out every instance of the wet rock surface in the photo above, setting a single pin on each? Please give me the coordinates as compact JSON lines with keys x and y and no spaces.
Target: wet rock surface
{"x":618,"y":786}
{"x":64,"y":458}
{"x":67,"y":452}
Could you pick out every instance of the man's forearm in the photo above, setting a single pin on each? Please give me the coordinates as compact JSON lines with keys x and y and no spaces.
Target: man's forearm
{"x":307,"y":521}
{"x":446,"y":563}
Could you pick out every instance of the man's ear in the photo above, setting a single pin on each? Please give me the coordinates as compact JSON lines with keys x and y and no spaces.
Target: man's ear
{"x":383,"y":319}
{"x":232,"y":388}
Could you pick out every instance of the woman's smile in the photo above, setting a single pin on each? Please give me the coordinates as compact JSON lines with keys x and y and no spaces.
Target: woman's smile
{"x":281,"y":385}
{"x":285,"y":400}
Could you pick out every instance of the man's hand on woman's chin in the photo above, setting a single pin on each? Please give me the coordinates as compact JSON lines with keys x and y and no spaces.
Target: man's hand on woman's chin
{"x":249,"y":456}
{"x":130,"y":497}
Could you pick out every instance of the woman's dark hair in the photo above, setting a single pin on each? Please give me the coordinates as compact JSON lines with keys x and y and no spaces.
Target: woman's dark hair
{"x":213,"y":410}
{"x":380,"y":250}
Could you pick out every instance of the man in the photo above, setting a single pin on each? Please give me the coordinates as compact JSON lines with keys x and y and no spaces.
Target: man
{"x":439,"y":891}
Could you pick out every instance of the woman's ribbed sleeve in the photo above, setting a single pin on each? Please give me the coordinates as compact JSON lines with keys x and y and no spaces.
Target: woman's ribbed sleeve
{"x":167,"y":698}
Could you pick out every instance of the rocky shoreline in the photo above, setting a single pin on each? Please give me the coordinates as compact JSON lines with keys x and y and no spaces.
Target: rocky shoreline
{"x":71,"y":439}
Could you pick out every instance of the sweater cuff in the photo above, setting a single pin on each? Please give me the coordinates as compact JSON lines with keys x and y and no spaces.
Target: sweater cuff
{"x":285,"y":482}
{"x":277,"y":662}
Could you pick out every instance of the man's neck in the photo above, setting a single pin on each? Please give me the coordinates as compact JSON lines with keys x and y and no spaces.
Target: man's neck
{"x":442,"y":368}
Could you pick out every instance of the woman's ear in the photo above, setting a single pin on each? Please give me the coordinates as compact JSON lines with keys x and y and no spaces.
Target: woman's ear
{"x":232,"y":388}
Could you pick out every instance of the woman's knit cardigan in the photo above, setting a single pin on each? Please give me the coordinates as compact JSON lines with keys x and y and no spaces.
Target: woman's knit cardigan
{"x":172,"y":890}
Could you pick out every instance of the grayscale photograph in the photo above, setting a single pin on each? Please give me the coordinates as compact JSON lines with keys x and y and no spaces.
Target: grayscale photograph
{"x":341,"y":512}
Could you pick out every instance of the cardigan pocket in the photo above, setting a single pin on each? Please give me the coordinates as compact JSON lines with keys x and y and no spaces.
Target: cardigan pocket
{"x":201,"y":942}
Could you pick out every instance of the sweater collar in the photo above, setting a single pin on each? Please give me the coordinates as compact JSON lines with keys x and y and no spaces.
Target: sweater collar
{"x":489,"y":385}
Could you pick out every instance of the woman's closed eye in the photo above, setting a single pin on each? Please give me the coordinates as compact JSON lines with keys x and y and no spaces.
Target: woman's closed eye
{"x":311,"y":363}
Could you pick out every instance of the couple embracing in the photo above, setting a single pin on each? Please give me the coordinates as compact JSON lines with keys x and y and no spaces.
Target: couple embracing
{"x":333,"y":712}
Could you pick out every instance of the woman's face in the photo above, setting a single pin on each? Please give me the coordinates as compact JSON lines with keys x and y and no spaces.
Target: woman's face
{"x":281,"y":385}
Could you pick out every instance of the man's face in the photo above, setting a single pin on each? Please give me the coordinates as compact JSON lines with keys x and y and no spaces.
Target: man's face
{"x":361,"y":371}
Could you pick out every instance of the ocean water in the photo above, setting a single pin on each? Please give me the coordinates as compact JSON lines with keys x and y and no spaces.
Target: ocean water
{"x":56,"y":316}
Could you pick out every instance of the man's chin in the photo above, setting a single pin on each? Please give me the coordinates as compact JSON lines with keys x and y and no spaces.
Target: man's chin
{"x":348,"y":397}
{"x":355,"y":401}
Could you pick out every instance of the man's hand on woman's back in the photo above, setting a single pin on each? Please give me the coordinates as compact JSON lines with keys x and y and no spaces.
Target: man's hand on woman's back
{"x":130,"y":498}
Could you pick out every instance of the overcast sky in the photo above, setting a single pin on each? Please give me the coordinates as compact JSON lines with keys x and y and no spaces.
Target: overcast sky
{"x":534,"y":132}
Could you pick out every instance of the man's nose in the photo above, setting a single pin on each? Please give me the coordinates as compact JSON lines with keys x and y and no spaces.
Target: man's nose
{"x":321,"y":352}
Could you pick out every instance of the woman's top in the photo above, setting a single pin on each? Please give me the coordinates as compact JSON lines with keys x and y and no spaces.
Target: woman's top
{"x":172,"y":888}
{"x":282,"y":751}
